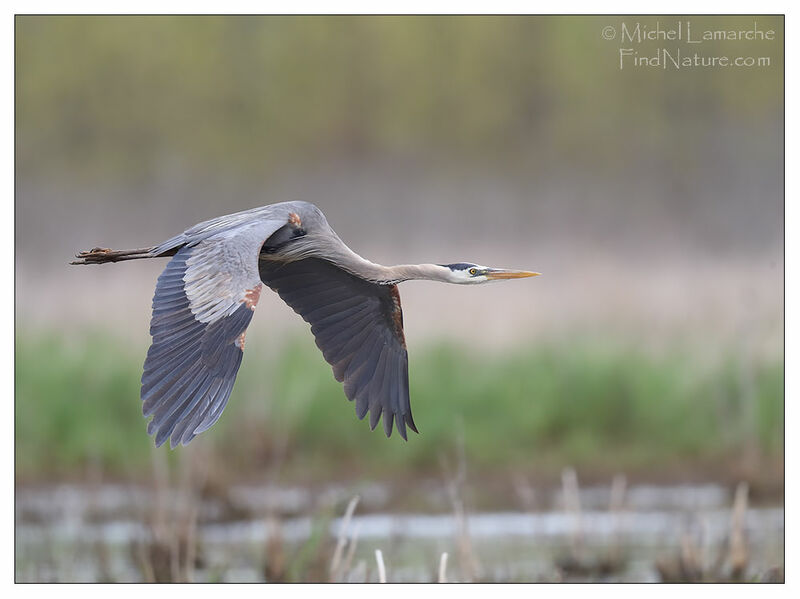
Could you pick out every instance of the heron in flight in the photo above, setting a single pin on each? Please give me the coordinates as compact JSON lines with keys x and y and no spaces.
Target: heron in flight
{"x":206,"y":296}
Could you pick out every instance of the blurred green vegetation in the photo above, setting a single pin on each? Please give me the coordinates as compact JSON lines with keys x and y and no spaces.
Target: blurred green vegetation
{"x":116,"y":96}
{"x":577,"y":402}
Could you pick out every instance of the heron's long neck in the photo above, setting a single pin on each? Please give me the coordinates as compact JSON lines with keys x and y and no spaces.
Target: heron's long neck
{"x":393,"y":274}
{"x":409,"y":272}
{"x":345,"y":258}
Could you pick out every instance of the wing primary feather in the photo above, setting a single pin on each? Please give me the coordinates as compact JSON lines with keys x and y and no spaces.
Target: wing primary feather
{"x":362,"y":367}
{"x":157,"y":372}
{"x":209,"y":419}
{"x":374,"y":416}
{"x":166,"y":345}
{"x":344,"y":335}
{"x":189,"y":420}
{"x":388,"y":418}
{"x":215,"y":385}
{"x":347,"y":343}
{"x":171,"y":305}
{"x":168,"y":404}
{"x":158,"y":382}
{"x":209,"y":415}
{"x":404,"y":394}
{"x":358,"y":382}
{"x":375,"y":389}
{"x":189,"y":399}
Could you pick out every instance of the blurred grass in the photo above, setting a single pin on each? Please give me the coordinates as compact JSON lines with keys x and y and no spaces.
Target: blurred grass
{"x":581,"y":402}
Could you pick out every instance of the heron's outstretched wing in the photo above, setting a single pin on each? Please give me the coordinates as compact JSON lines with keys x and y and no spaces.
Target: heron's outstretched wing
{"x":358,"y":325}
{"x":203,"y":303}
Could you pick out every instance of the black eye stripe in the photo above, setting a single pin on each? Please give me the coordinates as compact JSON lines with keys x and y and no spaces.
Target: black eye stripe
{"x":459,"y":266}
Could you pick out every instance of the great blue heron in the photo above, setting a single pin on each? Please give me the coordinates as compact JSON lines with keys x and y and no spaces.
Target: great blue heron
{"x":206,"y":296}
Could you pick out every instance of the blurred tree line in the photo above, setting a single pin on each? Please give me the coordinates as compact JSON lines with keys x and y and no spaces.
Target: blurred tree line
{"x":113,"y":96}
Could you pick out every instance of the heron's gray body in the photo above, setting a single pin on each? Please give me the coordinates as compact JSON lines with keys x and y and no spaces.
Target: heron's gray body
{"x":206,"y":296}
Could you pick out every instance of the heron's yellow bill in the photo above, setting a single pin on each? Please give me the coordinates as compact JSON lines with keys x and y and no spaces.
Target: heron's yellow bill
{"x":503,"y":273}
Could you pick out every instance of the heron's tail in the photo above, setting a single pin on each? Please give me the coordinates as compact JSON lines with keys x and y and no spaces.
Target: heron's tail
{"x":103,"y":255}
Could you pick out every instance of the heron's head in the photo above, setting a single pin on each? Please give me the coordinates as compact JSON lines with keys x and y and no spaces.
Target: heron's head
{"x":466,"y":273}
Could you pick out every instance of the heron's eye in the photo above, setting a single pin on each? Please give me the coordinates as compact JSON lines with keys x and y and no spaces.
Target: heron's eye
{"x":473,"y":271}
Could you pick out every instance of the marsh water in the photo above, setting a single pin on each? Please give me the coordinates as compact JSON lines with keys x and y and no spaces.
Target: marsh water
{"x":266,"y":533}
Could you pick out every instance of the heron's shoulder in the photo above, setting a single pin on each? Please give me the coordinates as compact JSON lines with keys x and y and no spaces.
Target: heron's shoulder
{"x":280,"y":211}
{"x":266,"y":217}
{"x":272,"y":212}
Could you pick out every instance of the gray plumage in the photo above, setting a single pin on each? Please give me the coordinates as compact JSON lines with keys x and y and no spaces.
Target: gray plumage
{"x":206,"y":296}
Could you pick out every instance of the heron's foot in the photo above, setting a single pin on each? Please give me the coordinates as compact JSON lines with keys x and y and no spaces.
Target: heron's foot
{"x":101,"y":255}
{"x":93,"y":256}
